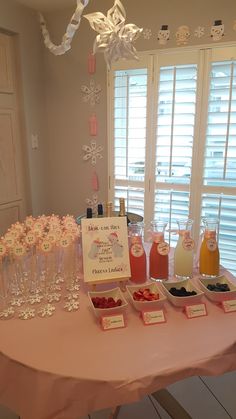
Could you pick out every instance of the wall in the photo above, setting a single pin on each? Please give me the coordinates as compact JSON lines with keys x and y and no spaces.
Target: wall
{"x":24,"y":22}
{"x":69,"y":176}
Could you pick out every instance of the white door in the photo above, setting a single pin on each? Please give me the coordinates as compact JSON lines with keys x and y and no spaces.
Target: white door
{"x":12,"y":179}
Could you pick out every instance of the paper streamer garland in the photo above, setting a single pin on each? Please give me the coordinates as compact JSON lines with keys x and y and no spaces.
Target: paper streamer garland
{"x":115,"y":38}
{"x":70,"y":31}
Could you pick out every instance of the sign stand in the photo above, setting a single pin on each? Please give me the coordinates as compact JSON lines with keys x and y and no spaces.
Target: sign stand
{"x":105,"y":251}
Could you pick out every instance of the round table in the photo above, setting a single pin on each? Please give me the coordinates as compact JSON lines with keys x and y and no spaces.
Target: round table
{"x":67,"y":366}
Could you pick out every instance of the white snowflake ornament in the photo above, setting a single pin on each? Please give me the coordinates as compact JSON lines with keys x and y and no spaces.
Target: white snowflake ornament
{"x":115,"y":38}
{"x":92,"y":151}
{"x":147,"y":33}
{"x":91,"y":93}
{"x":199,"y":32}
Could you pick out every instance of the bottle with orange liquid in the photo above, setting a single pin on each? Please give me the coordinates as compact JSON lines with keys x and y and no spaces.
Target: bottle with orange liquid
{"x":159,"y":253}
{"x":137,"y":255}
{"x":209,"y":261}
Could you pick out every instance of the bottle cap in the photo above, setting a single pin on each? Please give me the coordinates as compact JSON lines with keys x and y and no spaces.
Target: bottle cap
{"x":89,"y":213}
{"x":100,"y":209}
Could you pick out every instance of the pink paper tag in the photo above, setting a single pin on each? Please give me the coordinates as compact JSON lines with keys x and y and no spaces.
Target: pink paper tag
{"x":195,"y":310}
{"x":153,"y":317}
{"x":116,"y":321}
{"x":229,"y":306}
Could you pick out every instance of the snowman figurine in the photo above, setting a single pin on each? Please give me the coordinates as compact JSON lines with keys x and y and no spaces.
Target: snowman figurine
{"x":163,"y":35}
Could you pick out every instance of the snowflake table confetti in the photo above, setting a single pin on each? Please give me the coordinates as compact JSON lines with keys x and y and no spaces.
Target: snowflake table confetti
{"x":27,"y":313}
{"x":54,"y":297}
{"x":46,"y":311}
{"x":7,"y":313}
{"x":71,"y":305}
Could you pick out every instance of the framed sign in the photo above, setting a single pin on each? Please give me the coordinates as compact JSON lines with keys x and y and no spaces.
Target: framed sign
{"x":105,"y":249}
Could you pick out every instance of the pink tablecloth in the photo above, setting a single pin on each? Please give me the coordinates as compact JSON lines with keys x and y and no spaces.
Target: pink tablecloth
{"x":66,"y":366}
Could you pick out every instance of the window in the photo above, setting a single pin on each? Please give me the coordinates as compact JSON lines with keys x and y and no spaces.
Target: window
{"x":172,"y":139}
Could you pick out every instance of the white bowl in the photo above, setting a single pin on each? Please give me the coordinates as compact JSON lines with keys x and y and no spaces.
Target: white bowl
{"x":215,"y":295}
{"x":114,"y":293}
{"x":146,"y":305}
{"x":182,"y":301}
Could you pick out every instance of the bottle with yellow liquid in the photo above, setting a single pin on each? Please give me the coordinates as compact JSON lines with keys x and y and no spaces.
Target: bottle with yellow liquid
{"x":209,"y":261}
{"x":183,"y":256}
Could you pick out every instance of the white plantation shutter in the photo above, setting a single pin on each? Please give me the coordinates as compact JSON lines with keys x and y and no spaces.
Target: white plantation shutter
{"x":177,"y":87}
{"x":173,"y":139}
{"x":129,"y":137}
{"x":220,"y":158}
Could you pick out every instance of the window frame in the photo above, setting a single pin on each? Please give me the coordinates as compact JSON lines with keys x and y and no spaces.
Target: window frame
{"x":206,"y":54}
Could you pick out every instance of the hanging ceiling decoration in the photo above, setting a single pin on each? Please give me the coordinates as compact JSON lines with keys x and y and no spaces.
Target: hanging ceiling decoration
{"x":70,"y":30}
{"x":115,"y":38}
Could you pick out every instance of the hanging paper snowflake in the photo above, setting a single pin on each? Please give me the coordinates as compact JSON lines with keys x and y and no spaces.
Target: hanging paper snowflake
{"x":92,"y":202}
{"x":27,"y":313}
{"x":91,"y":93}
{"x":199,"y":32}
{"x":72,"y":305}
{"x":47,"y":310}
{"x":115,"y":38}
{"x":147,"y":33}
{"x":92,"y":152}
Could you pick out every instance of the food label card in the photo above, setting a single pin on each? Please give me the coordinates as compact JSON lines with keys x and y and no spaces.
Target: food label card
{"x":105,"y":249}
{"x":229,"y":306}
{"x":113,"y":322}
{"x":153,"y":317}
{"x":196,"y":310}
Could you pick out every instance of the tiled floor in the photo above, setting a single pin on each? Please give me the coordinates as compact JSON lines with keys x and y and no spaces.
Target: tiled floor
{"x":202,"y":398}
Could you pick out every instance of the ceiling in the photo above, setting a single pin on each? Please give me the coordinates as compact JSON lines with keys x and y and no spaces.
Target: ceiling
{"x":48,"y":5}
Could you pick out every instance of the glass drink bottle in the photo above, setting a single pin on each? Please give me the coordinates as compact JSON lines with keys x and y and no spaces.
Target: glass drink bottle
{"x":159,"y":253}
{"x":209,"y":260}
{"x":137,"y":255}
{"x":183,"y":255}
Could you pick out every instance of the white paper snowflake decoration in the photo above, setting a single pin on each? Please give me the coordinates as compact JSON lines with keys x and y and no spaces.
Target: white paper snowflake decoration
{"x":91,"y":93}
{"x":199,"y":32}
{"x":115,"y":38}
{"x":147,"y":33}
{"x":92,"y":152}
